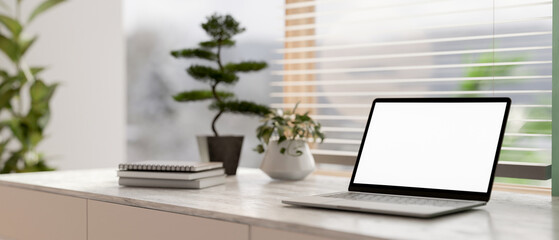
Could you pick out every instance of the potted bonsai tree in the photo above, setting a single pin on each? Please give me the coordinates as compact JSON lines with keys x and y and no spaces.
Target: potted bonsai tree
{"x":286,"y":135}
{"x":221,"y":30}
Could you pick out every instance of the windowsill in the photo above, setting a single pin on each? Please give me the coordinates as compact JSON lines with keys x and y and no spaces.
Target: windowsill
{"x":517,"y":188}
{"x":503,"y":187}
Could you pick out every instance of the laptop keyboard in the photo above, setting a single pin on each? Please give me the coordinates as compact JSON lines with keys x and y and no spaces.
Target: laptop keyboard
{"x":405,"y":200}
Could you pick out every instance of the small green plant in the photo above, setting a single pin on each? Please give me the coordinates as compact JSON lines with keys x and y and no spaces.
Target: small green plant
{"x":287,"y":125}
{"x":24,"y":97}
{"x":221,"y":30}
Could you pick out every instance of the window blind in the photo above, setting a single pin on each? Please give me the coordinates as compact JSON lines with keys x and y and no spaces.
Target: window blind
{"x":339,"y":56}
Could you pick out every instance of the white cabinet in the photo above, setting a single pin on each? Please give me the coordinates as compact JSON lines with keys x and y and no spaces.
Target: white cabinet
{"x":27,"y":214}
{"x":114,"y":221}
{"x":33,"y":214}
{"x":260,"y":233}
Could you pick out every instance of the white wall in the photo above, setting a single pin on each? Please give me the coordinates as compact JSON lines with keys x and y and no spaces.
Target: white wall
{"x":82,"y":43}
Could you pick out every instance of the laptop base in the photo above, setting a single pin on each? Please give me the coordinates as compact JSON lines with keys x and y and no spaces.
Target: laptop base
{"x":409,"y":210}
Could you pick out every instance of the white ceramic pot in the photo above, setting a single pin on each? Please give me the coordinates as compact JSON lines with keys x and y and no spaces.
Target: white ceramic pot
{"x":289,"y":165}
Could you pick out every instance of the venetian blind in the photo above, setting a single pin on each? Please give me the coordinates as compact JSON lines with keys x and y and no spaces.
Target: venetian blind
{"x":339,"y":55}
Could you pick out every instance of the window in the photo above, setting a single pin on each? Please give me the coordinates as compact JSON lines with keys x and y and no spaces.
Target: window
{"x":340,"y":55}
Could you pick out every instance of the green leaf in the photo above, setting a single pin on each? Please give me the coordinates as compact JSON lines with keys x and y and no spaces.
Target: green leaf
{"x":259,"y":148}
{"x":39,"y":114}
{"x":44,"y":120}
{"x":36,"y":70}
{"x":198,"y":95}
{"x":282,"y":138}
{"x":35,"y":138}
{"x":17,"y":131}
{"x":6,"y":86}
{"x":11,"y":164}
{"x":39,"y":91}
{"x":259,"y":130}
{"x":321,"y":136}
{"x":23,"y":77}
{"x":302,"y":118}
{"x":243,"y":107}
{"x":9,"y":48}
{"x":247,"y":66}
{"x":295,"y":108}
{"x":267,"y":134}
{"x":206,"y":73}
{"x":195,"y":53}
{"x":11,"y":24}
{"x":24,"y":44}
{"x":282,"y":150}
{"x":4,"y":74}
{"x":279,"y":120}
{"x":221,"y":27}
{"x":213,"y":44}
{"x":6,"y":97}
{"x":32,"y":70}
{"x":3,"y":145}
{"x":43,"y":7}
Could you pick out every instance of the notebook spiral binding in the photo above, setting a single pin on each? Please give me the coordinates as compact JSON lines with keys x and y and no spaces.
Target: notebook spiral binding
{"x":153,"y":167}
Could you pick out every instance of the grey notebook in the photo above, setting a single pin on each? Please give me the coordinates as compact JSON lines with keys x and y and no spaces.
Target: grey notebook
{"x":171,"y":175}
{"x":168,"y":183}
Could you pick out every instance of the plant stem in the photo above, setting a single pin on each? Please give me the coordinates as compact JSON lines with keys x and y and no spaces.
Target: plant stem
{"x":218,"y":99}
{"x":214,"y":92}
{"x":214,"y":121}
{"x":219,"y":40}
{"x":214,"y":86}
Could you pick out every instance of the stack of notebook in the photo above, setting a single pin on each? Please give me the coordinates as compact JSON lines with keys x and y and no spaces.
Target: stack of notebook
{"x":171,"y":174}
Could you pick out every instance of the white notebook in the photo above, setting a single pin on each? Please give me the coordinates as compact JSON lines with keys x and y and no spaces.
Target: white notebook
{"x":169,"y":166}
{"x":168,"y":183}
{"x":171,"y":175}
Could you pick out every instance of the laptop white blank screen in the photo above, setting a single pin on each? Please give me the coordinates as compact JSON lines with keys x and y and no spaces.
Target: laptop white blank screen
{"x":449,"y":146}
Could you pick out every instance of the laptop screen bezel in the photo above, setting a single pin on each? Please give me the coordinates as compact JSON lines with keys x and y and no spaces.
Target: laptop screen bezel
{"x":426,"y":192}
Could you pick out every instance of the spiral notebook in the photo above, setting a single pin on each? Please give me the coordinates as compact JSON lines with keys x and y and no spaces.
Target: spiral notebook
{"x":169,"y":166}
{"x":172,"y":183}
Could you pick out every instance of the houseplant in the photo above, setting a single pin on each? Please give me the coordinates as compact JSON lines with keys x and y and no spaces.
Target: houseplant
{"x":221,"y":30}
{"x":286,"y":135}
{"x":24,"y":96}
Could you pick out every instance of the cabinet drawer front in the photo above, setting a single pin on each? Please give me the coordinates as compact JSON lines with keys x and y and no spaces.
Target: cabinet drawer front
{"x":115,"y":221}
{"x":28,"y":214}
{"x":260,"y":233}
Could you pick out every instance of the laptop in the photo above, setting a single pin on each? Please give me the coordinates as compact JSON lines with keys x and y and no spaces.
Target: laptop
{"x":423,"y":157}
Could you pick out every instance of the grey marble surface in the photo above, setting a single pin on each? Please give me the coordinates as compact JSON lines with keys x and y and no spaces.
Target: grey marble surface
{"x":252,"y":198}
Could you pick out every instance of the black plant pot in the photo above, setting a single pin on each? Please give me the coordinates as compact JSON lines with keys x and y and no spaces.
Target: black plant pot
{"x":226,"y":149}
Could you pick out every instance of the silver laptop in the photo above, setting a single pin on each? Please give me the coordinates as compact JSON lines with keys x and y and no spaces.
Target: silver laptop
{"x":423,"y":157}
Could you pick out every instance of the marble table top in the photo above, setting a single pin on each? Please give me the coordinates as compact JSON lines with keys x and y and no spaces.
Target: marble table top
{"x":253,"y":198}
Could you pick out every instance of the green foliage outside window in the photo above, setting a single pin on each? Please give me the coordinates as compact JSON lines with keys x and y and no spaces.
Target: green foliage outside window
{"x":517,"y":126}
